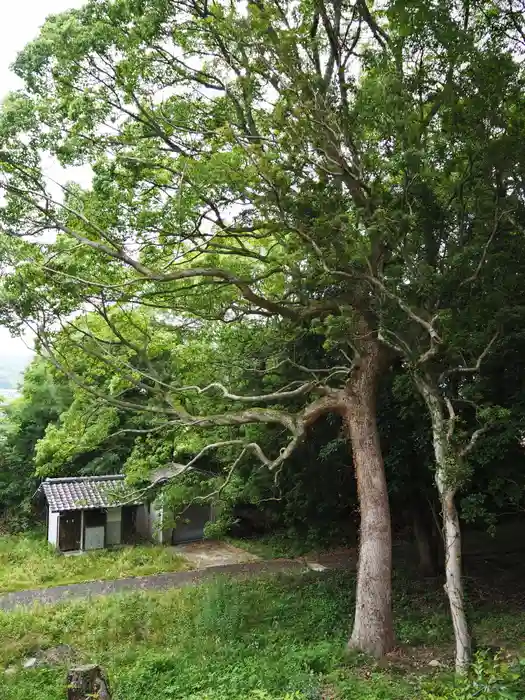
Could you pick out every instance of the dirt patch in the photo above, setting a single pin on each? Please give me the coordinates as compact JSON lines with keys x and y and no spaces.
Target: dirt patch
{"x":56,"y":656}
{"x":60,"y":655}
{"x":202,"y":555}
{"x":340,"y":558}
{"x":422,"y":659}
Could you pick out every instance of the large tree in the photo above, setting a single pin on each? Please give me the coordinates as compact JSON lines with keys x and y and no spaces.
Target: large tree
{"x":325,"y":166}
{"x":215,"y":195}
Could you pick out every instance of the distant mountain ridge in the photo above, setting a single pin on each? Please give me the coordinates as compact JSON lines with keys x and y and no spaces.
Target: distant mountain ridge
{"x":9,"y":394}
{"x":12,"y":368}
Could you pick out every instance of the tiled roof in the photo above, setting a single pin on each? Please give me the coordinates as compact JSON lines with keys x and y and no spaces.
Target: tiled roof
{"x":82,"y":493}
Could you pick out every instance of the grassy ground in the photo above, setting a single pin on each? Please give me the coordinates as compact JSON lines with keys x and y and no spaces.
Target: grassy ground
{"x":271,"y":546}
{"x":27,"y":561}
{"x":280,"y":545}
{"x":264,"y":639}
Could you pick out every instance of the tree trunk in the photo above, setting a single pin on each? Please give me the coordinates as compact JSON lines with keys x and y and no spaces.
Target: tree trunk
{"x":453,"y":572}
{"x":451,"y":527}
{"x":373,"y":628}
{"x":85,"y":682}
{"x":426,"y":546}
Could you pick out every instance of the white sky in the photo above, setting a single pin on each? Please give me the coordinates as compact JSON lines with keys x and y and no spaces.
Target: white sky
{"x":20,"y":23}
{"x":21,"y":20}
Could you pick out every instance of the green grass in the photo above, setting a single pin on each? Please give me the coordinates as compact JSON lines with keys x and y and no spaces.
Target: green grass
{"x":287,"y":544}
{"x":28,"y":561}
{"x":279,"y":545}
{"x":263,"y":639}
{"x":271,"y":546}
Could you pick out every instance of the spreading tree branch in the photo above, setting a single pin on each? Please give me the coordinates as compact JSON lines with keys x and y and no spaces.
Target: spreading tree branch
{"x":473,"y":369}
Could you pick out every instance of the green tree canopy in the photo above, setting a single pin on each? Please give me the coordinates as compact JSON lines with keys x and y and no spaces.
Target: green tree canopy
{"x":350,"y":169}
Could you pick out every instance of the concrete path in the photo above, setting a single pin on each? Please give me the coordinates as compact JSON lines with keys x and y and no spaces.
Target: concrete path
{"x":209,"y":553}
{"x":178,"y":579}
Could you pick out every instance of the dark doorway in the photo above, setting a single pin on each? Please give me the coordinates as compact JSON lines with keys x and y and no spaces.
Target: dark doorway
{"x":129,"y":524}
{"x":95,"y":517}
{"x":191,"y":524}
{"x":69,"y":531}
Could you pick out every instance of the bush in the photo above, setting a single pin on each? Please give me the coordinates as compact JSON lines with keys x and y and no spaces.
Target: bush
{"x":490,"y":678}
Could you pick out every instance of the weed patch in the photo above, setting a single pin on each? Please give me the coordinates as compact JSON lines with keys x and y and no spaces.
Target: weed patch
{"x":273,"y":638}
{"x":28,"y":561}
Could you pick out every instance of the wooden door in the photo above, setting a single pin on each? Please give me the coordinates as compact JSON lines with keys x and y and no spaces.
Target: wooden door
{"x":69,"y":531}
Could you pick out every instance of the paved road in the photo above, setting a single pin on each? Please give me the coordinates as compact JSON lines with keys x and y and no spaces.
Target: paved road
{"x":178,"y":579}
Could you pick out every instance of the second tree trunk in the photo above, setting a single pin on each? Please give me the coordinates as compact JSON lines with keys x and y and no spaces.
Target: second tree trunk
{"x":373,"y":628}
{"x":445,"y":459}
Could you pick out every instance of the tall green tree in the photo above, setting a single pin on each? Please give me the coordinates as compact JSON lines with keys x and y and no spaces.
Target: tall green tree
{"x":194,"y":209}
{"x":328,"y":166}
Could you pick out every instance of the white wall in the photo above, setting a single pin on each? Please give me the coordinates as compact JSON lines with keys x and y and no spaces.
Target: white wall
{"x":113,"y":526}
{"x":155,"y":520}
{"x":159,"y":532}
{"x":52,"y":528}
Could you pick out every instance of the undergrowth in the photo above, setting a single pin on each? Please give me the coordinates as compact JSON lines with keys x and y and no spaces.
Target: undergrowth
{"x":28,"y":561}
{"x":288,"y":545}
{"x":281,"y":637}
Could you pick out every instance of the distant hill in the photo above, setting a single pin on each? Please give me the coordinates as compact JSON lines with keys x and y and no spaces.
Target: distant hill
{"x":9,"y":394}
{"x":14,"y":359}
{"x":11,"y":369}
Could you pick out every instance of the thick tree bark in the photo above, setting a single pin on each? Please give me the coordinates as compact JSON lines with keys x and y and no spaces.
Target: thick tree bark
{"x":373,"y":627}
{"x":451,"y":526}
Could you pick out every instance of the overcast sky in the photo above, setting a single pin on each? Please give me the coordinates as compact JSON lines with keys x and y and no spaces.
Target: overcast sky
{"x":21,"y":20}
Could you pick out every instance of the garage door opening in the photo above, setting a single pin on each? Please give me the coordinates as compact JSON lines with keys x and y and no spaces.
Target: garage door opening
{"x":191,"y":525}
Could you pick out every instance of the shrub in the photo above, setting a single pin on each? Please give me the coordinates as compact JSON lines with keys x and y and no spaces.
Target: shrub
{"x":490,"y":678}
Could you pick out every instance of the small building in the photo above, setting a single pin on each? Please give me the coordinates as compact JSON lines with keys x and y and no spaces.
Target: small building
{"x":85,"y":513}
